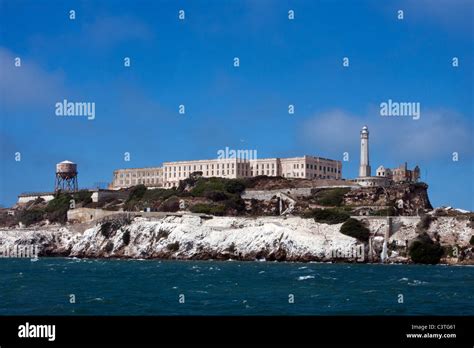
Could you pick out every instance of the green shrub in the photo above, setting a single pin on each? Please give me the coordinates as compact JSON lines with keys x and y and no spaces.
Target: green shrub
{"x":56,"y":210}
{"x":236,"y":203}
{"x":355,"y":228}
{"x":231,"y":248}
{"x":137,"y":192}
{"x":424,"y":250}
{"x":158,"y":194}
{"x":32,"y":216}
{"x":188,"y":182}
{"x":58,"y":216}
{"x":162,"y":233}
{"x":424,"y":224}
{"x":235,"y":186}
{"x":210,"y":209}
{"x":331,"y":196}
{"x":170,"y":205}
{"x":173,"y":246}
{"x":83,"y":196}
{"x":60,"y":201}
{"x":109,"y":225}
{"x":106,"y":229}
{"x":204,"y":185}
{"x":215,"y":196}
{"x":126,"y":237}
{"x":229,"y":186}
{"x":328,"y":216}
{"x":109,"y":246}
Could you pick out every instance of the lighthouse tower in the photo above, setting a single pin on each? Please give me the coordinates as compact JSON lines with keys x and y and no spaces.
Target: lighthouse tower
{"x":364,"y":169}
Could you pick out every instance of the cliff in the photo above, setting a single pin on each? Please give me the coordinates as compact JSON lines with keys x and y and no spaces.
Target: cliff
{"x":404,"y":199}
{"x":238,"y":238}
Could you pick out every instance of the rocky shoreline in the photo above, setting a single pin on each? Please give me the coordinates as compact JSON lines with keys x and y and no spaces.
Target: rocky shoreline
{"x":191,"y":237}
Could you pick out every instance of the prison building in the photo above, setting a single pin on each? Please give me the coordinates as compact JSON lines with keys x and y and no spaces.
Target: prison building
{"x":306,"y":167}
{"x":150,"y":177}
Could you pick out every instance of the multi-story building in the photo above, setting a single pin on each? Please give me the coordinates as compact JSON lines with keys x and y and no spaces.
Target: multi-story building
{"x":233,"y":168}
{"x":151,"y":177}
{"x":306,"y":167}
{"x":403,"y":174}
{"x":309,"y":167}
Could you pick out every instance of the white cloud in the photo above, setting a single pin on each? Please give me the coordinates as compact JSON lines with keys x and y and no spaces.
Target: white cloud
{"x":437,"y":134}
{"x":28,"y":85}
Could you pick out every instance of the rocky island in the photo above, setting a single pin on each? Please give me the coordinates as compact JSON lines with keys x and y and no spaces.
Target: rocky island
{"x":262,"y":218}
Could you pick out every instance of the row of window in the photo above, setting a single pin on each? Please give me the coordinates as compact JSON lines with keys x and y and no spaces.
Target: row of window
{"x":202,"y":167}
{"x":322,"y":168}
{"x":139,"y":174}
{"x":138,"y":181}
{"x":228,"y":166}
{"x":227,"y":172}
{"x":186,"y":175}
{"x":262,"y":166}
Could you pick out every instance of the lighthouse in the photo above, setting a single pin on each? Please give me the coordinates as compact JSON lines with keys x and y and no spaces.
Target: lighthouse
{"x":364,"y":168}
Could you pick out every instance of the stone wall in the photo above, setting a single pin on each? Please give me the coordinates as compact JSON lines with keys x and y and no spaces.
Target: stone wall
{"x":82,"y":215}
{"x":263,"y":195}
{"x":295,"y":192}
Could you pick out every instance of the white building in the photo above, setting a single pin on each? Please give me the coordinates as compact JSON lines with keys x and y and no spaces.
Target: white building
{"x":169,"y":175}
{"x":365,"y":179}
{"x":152,"y":177}
{"x":364,"y":168}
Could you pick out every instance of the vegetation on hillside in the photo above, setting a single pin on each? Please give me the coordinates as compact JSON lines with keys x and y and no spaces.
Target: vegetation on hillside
{"x":424,"y":250}
{"x":31,"y":216}
{"x":221,"y":196}
{"x":331,"y":196}
{"x":424,"y":223}
{"x":56,"y":209}
{"x":390,"y":211}
{"x":355,"y":228}
{"x":328,"y":216}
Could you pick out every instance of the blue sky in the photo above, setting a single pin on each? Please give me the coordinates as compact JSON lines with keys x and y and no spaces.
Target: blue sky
{"x":190,"y":62}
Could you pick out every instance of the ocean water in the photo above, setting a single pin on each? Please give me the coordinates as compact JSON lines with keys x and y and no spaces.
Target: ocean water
{"x":153,"y":287}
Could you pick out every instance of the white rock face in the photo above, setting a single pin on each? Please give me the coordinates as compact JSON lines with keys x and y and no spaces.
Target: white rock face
{"x":193,"y":237}
{"x":190,"y":237}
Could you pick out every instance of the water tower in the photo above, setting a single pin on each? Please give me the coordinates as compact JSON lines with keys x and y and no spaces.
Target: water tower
{"x":66,"y":176}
